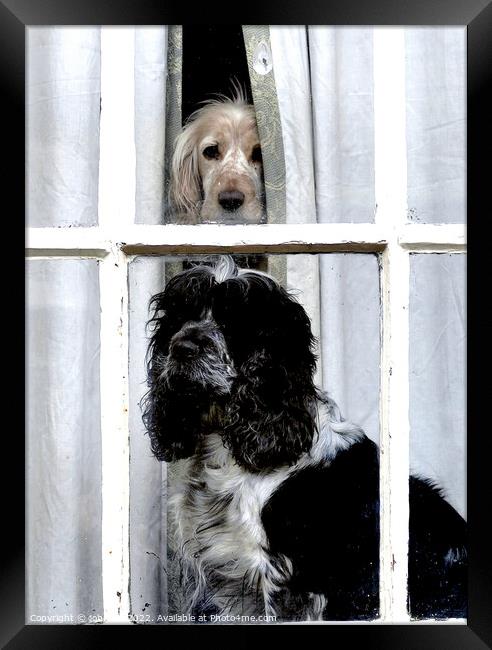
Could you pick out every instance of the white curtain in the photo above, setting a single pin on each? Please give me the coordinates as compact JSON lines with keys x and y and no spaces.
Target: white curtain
{"x":436,"y":131}
{"x":438,"y":372}
{"x":150,"y":122}
{"x":343,"y":122}
{"x":148,"y":478}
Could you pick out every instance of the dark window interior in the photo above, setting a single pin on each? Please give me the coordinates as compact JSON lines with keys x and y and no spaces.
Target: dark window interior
{"x":213,"y":56}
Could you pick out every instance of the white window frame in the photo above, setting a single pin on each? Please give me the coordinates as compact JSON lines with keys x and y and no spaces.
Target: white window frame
{"x":117,"y":240}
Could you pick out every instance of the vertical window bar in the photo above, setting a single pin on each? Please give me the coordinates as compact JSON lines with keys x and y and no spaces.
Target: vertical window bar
{"x":116,"y":210}
{"x":115,"y":436}
{"x":391,"y":210}
{"x":117,"y":159}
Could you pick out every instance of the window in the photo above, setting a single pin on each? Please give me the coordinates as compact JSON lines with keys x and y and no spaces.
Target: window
{"x":373,"y":185}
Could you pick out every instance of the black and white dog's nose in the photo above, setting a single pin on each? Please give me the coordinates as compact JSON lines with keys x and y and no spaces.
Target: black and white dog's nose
{"x":231,"y":200}
{"x":184,"y":349}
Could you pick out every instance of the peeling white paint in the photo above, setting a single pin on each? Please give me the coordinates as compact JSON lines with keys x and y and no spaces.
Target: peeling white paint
{"x":391,"y":198}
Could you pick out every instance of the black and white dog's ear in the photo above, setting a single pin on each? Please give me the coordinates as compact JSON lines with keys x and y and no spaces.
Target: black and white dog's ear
{"x":173,"y":422}
{"x":172,"y":416}
{"x":270,"y":418}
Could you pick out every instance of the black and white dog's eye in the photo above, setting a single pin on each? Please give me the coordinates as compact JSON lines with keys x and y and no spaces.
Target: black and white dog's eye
{"x":256,"y":154}
{"x":211,"y":152}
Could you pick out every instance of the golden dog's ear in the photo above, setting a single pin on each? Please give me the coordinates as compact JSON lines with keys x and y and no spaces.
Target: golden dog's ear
{"x":185,"y":190}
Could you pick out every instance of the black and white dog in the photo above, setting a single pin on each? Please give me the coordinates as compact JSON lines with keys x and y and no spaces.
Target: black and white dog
{"x":276,"y":510}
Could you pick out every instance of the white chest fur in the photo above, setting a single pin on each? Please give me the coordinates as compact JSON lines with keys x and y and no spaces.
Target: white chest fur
{"x":216,"y":514}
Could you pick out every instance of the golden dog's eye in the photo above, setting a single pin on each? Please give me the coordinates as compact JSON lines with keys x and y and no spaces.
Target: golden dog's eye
{"x":256,"y":154}
{"x":211,"y":152}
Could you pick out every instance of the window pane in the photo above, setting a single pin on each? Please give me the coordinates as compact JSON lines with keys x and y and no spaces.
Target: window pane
{"x":63,"y":107}
{"x":437,"y":398}
{"x":63,"y":440}
{"x":313,"y":96}
{"x":148,"y":478}
{"x":436,"y":124}
{"x":342,"y":87}
{"x":340,"y":294}
{"x":350,"y":343}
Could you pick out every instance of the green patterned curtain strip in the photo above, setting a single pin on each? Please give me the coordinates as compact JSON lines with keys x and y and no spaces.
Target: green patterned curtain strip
{"x":262,"y":78}
{"x":174,"y":87}
{"x":173,"y":100}
{"x":258,"y":52}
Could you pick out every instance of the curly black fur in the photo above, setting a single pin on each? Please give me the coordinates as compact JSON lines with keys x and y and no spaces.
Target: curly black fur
{"x":269,"y":417}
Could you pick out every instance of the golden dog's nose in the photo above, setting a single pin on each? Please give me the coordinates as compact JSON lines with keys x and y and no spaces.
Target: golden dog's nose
{"x":231,"y":200}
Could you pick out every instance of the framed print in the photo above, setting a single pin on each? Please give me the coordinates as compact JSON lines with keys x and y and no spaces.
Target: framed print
{"x":246,"y":326}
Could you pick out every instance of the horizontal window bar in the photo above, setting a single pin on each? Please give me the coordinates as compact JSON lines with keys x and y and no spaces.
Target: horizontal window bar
{"x":433,"y":238}
{"x":290,"y":238}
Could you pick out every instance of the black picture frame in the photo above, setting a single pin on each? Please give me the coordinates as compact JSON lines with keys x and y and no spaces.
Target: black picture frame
{"x":15,"y":15}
